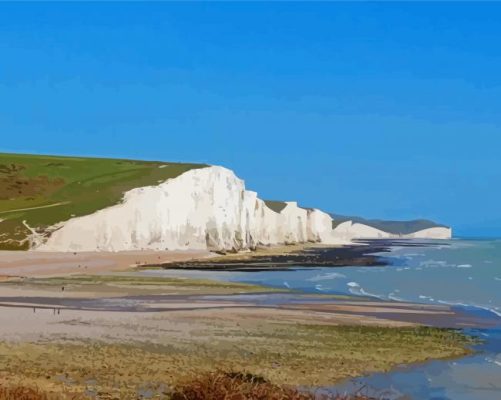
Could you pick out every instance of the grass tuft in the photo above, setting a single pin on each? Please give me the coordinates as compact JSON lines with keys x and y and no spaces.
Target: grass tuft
{"x":222,"y":385}
{"x":19,"y":392}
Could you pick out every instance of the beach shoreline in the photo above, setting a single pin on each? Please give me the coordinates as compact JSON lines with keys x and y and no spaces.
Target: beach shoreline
{"x":185,"y":335}
{"x":38,"y":263}
{"x":52,"y":307}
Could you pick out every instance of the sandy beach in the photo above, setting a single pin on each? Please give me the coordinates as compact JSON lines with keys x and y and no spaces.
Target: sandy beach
{"x":44,"y":263}
{"x":87,"y":341}
{"x":90,"y":304}
{"x":33,"y":263}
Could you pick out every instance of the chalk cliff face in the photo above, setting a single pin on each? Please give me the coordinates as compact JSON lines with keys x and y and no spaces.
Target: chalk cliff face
{"x":319,"y":227}
{"x":431,"y":233}
{"x":205,"y":208}
{"x":349,"y":231}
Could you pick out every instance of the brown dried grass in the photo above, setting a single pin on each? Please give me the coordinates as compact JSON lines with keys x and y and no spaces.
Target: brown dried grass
{"x":19,"y":392}
{"x":217,"y":385}
{"x":243,"y":386}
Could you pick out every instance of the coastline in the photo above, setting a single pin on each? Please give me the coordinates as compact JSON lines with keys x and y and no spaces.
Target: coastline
{"x":59,"y":347}
{"x":43,"y":263}
{"x":278,"y":334}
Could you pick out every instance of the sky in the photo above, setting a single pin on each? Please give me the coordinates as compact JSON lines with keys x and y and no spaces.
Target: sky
{"x":384,"y":110}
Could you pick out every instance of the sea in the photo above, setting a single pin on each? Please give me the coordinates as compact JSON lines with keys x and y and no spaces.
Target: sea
{"x":464,"y":273}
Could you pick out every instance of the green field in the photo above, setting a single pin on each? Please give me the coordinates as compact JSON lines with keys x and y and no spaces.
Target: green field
{"x":44,"y":190}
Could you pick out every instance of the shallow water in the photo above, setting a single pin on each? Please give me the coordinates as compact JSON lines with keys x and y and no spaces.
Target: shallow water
{"x":466,"y":273}
{"x":457,"y":272}
{"x":477,"y":377}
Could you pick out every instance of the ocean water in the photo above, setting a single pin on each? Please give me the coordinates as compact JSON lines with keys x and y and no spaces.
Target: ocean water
{"x":464,"y":273}
{"x":456,"y":272}
{"x":476,"y":377}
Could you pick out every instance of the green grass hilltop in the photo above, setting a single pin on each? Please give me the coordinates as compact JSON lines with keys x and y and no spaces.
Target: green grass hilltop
{"x":44,"y":190}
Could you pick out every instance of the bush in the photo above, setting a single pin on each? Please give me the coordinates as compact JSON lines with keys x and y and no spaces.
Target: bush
{"x":243,"y":386}
{"x":21,"y":393}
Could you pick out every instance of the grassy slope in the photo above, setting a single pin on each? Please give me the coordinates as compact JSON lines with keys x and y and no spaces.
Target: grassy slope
{"x":58,"y":188}
{"x":275,"y":205}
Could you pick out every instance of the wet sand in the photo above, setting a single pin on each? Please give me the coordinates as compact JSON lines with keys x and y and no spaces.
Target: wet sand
{"x":167,"y":297}
{"x":134,"y":299}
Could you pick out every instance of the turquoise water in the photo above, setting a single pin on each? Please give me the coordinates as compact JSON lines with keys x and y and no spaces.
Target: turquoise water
{"x":477,"y":377}
{"x":456,"y":272}
{"x":466,"y":273}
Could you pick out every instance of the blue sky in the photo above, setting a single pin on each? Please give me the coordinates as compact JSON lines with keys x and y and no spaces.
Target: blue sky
{"x":387,"y":110}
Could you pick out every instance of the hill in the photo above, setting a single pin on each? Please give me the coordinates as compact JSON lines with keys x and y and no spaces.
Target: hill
{"x":39,"y":190}
{"x":393,"y":227}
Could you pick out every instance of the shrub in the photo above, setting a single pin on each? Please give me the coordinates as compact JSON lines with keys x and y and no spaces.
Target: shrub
{"x":243,"y":386}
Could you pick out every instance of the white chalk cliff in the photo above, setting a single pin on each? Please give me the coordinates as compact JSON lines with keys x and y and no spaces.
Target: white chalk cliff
{"x":349,"y":230}
{"x":437,"y":232}
{"x":206,"y":208}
